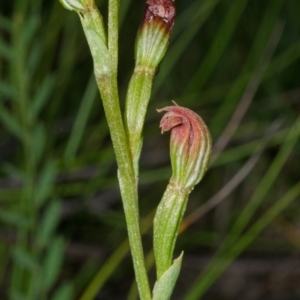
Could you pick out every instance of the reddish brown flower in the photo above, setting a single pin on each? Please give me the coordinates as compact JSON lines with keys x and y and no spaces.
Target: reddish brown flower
{"x":190,"y":144}
{"x":162,"y":10}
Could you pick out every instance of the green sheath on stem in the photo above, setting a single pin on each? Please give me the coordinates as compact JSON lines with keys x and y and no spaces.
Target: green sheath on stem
{"x":138,"y":95}
{"x":168,"y":217}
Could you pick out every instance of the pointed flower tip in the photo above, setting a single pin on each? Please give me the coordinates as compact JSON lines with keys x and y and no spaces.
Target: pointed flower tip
{"x":190,"y":144}
{"x":169,"y":121}
{"x":164,"y":124}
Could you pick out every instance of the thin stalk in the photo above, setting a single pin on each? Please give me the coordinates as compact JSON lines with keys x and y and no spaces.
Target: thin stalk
{"x":108,"y":90}
{"x":113,"y":37}
{"x":105,"y":58}
{"x":106,"y":78}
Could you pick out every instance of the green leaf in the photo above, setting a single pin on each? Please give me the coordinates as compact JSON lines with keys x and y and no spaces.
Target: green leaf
{"x":53,"y":262}
{"x":45,"y":183}
{"x":7,"y":90}
{"x":34,"y":60}
{"x":16,"y":295}
{"x":25,"y":259}
{"x":164,"y":287}
{"x":5,"y":23}
{"x":49,"y":222}
{"x":42,"y":95}
{"x":31,"y":26}
{"x":64,"y":292}
{"x":14,"y":219}
{"x":13,"y":172}
{"x":6,"y":51}
{"x":10,"y":122}
{"x":37,"y":144}
{"x":81,"y":119}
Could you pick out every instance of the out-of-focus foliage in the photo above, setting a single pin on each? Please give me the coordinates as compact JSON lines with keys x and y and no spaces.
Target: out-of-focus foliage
{"x":62,"y":230}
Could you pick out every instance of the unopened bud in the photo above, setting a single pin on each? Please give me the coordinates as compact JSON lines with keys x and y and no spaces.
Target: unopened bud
{"x":151,"y":45}
{"x":154,"y":33}
{"x":190,"y":145}
{"x":92,"y":23}
{"x":77,"y":5}
{"x":190,"y":149}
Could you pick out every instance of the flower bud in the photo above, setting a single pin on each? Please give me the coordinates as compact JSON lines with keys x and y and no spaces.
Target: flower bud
{"x":190,"y":148}
{"x":93,"y":26}
{"x":77,"y":5}
{"x":190,"y":145}
{"x":151,"y":44}
{"x":154,"y":33}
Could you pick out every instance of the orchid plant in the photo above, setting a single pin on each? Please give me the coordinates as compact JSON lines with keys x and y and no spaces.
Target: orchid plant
{"x":190,"y":144}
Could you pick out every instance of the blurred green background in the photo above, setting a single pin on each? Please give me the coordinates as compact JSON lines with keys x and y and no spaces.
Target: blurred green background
{"x":62,"y":229}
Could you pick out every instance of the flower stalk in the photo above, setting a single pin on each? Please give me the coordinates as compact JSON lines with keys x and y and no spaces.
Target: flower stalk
{"x":104,"y":56}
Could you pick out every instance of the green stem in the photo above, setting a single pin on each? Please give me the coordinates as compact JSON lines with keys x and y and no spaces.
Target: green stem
{"x":113,"y":24}
{"x":108,"y":90}
{"x":105,"y":69}
{"x":105,"y":58}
